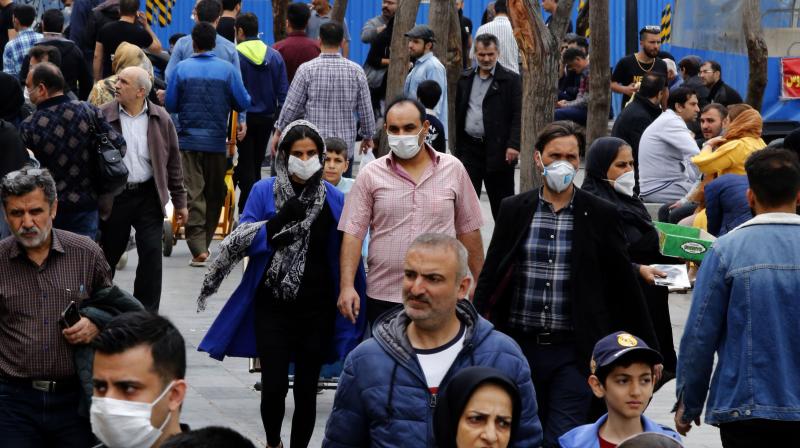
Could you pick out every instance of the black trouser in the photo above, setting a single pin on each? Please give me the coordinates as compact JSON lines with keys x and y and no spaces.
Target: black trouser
{"x":252,"y":150}
{"x":291,"y":332}
{"x":140,"y":208}
{"x":499,"y":183}
{"x":31,"y":418}
{"x":563,"y":397}
{"x":377,"y":307}
{"x":758,"y":432}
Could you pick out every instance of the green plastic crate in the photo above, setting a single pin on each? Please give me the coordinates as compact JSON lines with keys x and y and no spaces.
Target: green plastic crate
{"x":688,"y":243}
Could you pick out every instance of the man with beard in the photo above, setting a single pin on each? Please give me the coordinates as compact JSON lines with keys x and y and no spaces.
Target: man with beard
{"x":42,"y":271}
{"x":630,"y":70}
{"x":426,"y":67}
{"x":711,"y":119}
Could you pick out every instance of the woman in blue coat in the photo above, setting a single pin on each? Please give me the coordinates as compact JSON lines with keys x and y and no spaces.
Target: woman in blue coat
{"x":284,"y":310}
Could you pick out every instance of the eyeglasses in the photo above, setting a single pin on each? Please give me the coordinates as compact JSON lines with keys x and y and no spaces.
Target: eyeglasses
{"x":707,"y":71}
{"x":651,"y":29}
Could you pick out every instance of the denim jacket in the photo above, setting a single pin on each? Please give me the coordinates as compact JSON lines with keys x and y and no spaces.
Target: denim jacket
{"x":745,"y":308}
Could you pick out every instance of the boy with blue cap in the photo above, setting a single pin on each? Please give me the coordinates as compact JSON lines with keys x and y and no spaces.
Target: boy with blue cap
{"x":623,"y":374}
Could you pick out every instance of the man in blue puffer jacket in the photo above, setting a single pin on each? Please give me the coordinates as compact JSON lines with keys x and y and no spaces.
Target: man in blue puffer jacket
{"x":202,"y":90}
{"x":388,"y":391}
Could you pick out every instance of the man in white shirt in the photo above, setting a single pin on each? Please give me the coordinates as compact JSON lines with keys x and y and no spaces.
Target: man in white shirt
{"x":665,"y":172}
{"x":154,"y":176}
{"x":501,"y":27}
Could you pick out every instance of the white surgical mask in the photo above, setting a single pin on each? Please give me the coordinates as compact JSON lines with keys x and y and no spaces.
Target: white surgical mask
{"x":304,"y":169}
{"x":126,"y":424}
{"x":559,"y":175}
{"x":404,"y":146}
{"x":624,"y":184}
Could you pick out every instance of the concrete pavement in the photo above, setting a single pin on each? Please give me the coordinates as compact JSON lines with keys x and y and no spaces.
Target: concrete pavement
{"x":221,"y":393}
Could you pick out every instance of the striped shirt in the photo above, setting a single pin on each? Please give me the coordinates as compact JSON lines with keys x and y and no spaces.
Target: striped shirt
{"x":17,"y":48}
{"x":509,"y":51}
{"x":541,"y":299}
{"x":327,"y":91}
{"x":32,"y":298}
{"x":386,"y":201}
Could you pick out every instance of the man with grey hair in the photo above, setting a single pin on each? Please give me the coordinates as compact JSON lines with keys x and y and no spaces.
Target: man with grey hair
{"x":42,"y":271}
{"x":419,"y":347}
{"x":154,"y":176}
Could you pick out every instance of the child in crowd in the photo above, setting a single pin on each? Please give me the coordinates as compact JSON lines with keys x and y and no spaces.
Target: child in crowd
{"x":336,"y":163}
{"x":428,"y":94}
{"x":623,"y":373}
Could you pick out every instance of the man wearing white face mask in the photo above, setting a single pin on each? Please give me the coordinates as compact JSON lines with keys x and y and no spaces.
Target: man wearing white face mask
{"x":411,"y":191}
{"x":557,"y":277}
{"x":139,"y":385}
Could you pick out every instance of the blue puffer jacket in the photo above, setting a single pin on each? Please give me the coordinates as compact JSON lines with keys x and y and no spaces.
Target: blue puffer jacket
{"x":383,"y":399}
{"x":202,"y":91}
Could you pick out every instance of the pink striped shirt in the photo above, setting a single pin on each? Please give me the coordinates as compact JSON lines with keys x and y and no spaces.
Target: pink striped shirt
{"x":395,"y":209}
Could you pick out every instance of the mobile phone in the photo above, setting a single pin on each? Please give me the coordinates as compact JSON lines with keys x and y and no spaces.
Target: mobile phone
{"x":70,"y":316}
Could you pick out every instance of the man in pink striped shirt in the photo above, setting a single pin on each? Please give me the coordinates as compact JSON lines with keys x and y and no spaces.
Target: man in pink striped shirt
{"x":411,"y":191}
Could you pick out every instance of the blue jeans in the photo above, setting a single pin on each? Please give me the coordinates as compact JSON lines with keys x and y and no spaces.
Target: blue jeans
{"x":31,"y":418}
{"x":576,"y":114}
{"x":82,"y":223}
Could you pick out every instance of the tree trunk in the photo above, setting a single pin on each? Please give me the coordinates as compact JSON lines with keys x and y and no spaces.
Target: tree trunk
{"x":441,"y":19}
{"x":279,"y":8}
{"x":454,"y":67}
{"x":539,"y":55}
{"x":599,"y":72}
{"x":756,"y":52}
{"x":339,"y":9}
{"x":560,"y":20}
{"x":404,"y":20}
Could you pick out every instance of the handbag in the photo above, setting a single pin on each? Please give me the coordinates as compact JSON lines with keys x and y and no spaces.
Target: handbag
{"x":111,"y":172}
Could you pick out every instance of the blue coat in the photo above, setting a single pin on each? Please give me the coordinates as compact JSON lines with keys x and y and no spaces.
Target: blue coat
{"x":726,"y":203}
{"x":383,"y":399}
{"x":233,"y":331}
{"x":585,"y":436}
{"x":202,"y":90}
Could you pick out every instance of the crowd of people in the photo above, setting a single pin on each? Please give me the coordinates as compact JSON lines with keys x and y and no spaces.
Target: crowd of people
{"x":557,"y":335}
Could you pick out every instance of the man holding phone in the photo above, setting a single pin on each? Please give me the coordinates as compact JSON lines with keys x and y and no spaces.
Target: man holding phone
{"x":42,"y":272}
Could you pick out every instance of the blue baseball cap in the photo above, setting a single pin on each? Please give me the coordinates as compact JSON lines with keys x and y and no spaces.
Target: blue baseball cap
{"x":612,"y":347}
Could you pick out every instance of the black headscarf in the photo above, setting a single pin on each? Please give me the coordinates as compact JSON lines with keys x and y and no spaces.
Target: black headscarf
{"x":457,"y":394}
{"x":599,"y":158}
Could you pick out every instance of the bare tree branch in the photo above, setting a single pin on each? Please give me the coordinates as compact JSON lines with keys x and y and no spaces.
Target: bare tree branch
{"x":599,"y":72}
{"x":756,"y":52}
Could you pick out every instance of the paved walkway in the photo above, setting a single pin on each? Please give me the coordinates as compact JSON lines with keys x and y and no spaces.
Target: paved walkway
{"x":221,"y":393}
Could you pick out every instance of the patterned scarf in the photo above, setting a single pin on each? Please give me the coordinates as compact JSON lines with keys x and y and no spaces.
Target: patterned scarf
{"x":285,"y":272}
{"x":231,"y":251}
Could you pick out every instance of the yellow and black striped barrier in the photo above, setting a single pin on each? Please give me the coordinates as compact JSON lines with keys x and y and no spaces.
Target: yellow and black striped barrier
{"x":666,"y":24}
{"x":161,"y":9}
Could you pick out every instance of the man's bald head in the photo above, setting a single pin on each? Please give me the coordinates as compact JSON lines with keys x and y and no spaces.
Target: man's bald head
{"x":140,"y":77}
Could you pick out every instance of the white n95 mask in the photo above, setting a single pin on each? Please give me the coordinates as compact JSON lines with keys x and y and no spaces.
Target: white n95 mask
{"x":559,"y":175}
{"x":304,"y":169}
{"x":126,"y":424}
{"x":624,"y":184}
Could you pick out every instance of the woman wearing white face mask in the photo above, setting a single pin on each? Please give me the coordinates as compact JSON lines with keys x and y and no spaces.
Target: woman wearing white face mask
{"x":288,"y":229}
{"x":609,"y":175}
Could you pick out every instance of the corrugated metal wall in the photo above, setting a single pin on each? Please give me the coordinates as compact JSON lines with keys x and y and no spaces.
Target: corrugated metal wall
{"x":359,"y":11}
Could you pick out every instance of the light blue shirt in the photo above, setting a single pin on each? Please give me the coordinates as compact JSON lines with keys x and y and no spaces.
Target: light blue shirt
{"x":224,"y":50}
{"x":428,"y":67}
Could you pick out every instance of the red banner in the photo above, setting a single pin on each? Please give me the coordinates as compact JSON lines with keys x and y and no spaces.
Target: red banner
{"x":790,"y":74}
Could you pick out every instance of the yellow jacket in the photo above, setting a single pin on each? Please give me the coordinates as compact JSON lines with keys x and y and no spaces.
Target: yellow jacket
{"x":728,"y":158}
